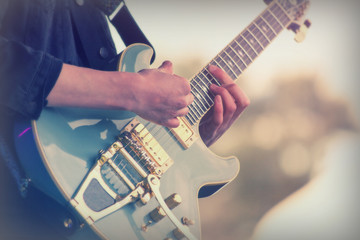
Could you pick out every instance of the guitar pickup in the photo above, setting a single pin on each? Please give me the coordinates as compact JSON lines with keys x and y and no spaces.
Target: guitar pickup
{"x":184,"y":133}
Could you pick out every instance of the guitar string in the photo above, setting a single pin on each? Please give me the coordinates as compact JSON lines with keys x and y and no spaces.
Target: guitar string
{"x":247,"y":49}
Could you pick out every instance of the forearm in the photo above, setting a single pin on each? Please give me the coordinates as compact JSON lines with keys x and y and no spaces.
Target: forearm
{"x":84,"y":87}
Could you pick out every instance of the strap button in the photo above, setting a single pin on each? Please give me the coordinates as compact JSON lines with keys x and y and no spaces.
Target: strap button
{"x":80,"y":2}
{"x":104,"y":53}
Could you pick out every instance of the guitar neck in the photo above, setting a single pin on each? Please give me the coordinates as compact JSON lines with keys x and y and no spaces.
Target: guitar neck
{"x":237,"y":56}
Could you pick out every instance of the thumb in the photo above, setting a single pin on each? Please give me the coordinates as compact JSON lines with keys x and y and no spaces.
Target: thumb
{"x":166,"y":67}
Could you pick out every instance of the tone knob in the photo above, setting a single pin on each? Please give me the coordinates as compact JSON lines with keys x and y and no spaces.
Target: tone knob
{"x":178,"y":234}
{"x":157,"y":214}
{"x":173,"y":200}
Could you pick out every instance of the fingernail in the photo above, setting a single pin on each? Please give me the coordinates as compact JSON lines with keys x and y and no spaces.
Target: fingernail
{"x":211,"y":68}
{"x":213,"y":86}
{"x":218,"y":98}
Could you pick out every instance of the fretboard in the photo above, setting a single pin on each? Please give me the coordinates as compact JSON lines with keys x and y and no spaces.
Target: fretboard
{"x":237,"y":56}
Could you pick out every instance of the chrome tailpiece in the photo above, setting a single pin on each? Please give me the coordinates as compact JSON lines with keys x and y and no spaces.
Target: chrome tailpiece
{"x":120,"y":174}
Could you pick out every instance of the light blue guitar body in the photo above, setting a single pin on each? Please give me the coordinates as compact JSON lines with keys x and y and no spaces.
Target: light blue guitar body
{"x":62,"y":146}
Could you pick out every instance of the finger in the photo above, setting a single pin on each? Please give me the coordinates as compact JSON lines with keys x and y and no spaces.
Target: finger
{"x":240,"y":98}
{"x":166,"y":67}
{"x":181,"y":112}
{"x":189,"y":99}
{"x":171,"y":123}
{"x":210,"y":127}
{"x":218,"y":113}
{"x":229,"y":106}
{"x":220,"y":74}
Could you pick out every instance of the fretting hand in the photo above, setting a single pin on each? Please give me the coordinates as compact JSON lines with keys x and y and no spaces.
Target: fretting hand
{"x":229,"y":102}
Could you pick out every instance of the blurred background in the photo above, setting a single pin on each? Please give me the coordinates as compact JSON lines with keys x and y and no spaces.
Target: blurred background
{"x":297,"y":141}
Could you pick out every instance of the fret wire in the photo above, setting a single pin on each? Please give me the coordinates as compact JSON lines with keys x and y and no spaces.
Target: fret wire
{"x":277,"y":20}
{"x":195,"y":111}
{"x":230,"y":63}
{"x":210,"y":81}
{"x":237,"y":54}
{"x":232,"y":75}
{"x":189,"y":120}
{"x":248,"y":50}
{"x":254,"y":29}
{"x":233,"y":60}
{"x":285,"y":13}
{"x":198,"y":95}
{"x":236,"y":57}
{"x":275,"y":11}
{"x":192,"y":114}
{"x":244,"y":52}
{"x":262,"y":47}
{"x":196,"y":105}
{"x":269,"y":25}
{"x":266,"y":37}
{"x":204,"y":90}
{"x":207,"y":83}
{"x":196,"y":100}
{"x":272,"y":21}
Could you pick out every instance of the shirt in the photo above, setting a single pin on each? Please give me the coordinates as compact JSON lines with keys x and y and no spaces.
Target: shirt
{"x":37,"y":37}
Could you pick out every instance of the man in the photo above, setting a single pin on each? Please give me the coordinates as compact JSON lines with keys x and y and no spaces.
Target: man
{"x":56,"y":53}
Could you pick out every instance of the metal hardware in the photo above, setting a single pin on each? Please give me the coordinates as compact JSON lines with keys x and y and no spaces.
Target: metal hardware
{"x":68,"y":223}
{"x":157,"y":214}
{"x":139,"y":140}
{"x":186,"y":221}
{"x":172,"y":201}
{"x":184,"y":133}
{"x":178,"y":234}
{"x":145,"y":227}
{"x":89,"y":214}
{"x":300,"y":30}
{"x":122,"y":172}
{"x":154,"y":184}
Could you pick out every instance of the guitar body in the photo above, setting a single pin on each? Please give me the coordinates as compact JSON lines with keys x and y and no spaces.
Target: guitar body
{"x":58,"y":151}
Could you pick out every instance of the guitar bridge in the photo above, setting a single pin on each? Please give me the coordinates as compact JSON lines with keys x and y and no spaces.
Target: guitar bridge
{"x":119,"y":175}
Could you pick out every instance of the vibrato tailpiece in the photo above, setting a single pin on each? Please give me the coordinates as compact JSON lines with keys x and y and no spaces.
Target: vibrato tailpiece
{"x":119,"y":176}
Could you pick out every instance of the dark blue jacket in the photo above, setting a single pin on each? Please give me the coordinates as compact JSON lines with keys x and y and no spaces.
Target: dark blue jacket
{"x":37,"y":37}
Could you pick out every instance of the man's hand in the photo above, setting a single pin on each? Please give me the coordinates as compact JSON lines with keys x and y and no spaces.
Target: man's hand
{"x":229,"y":102}
{"x":161,"y":96}
{"x":154,"y":94}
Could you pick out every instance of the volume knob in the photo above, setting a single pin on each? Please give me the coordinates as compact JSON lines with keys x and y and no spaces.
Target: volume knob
{"x":157,"y":214}
{"x":178,"y":234}
{"x":172,"y":201}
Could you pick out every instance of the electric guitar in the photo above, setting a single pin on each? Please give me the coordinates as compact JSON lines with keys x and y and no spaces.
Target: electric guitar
{"x":122,"y":177}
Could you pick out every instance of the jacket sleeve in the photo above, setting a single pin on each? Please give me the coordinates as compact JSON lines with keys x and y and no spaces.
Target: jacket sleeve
{"x":26,"y":75}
